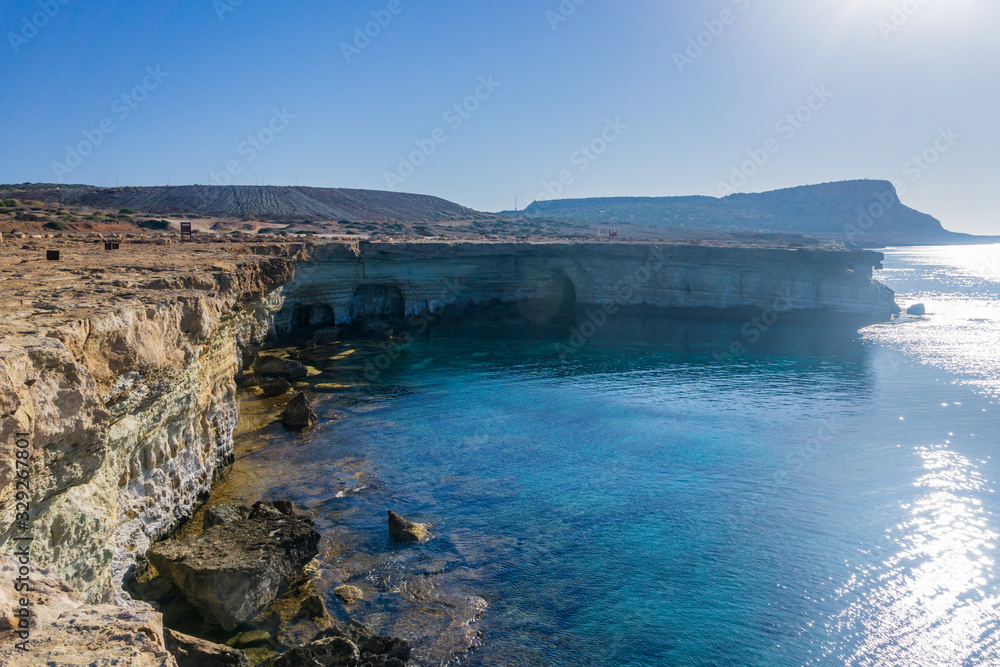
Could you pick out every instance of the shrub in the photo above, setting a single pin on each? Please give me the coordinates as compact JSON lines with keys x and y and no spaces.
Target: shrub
{"x":10,"y":203}
{"x":127,"y":211}
{"x":264,"y":230}
{"x":345,"y":222}
{"x":154,"y":224}
{"x":55,"y":224}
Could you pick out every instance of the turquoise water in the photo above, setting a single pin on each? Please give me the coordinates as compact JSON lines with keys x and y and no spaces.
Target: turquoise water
{"x":823,"y":500}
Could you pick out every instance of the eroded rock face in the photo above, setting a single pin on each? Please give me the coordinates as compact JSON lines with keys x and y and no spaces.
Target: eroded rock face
{"x":232,"y":571}
{"x":406,"y":280}
{"x":403,"y":530}
{"x":190,"y":651}
{"x":129,"y":411}
{"x":299,"y":414}
{"x":346,"y":645}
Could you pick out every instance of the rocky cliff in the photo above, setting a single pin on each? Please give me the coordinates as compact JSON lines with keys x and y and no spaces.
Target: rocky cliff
{"x":129,"y":407}
{"x":120,"y":368}
{"x":339,"y":283}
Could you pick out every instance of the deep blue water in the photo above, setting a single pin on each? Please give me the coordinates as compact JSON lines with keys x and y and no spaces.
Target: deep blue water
{"x":824,"y":500}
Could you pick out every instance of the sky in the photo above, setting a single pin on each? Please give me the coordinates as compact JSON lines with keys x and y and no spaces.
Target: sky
{"x":493,"y":103}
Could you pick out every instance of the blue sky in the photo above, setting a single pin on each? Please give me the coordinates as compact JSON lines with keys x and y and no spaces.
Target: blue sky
{"x":657,"y":112}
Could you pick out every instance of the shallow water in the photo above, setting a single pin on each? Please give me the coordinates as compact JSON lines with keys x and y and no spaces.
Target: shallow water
{"x":822,"y":500}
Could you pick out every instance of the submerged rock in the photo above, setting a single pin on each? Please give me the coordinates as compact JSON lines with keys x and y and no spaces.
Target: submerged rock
{"x":288,"y":369}
{"x":917,"y":309}
{"x":402,"y":530}
{"x":190,"y":651}
{"x":250,"y":638}
{"x":299,"y":414}
{"x":349,"y":594}
{"x":347,"y":645}
{"x":232,"y":571}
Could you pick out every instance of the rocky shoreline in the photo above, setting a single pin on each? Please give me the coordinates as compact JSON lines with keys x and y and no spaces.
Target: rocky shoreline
{"x":120,"y":369}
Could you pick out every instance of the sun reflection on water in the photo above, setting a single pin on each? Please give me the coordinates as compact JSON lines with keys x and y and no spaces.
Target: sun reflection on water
{"x":935,"y":601}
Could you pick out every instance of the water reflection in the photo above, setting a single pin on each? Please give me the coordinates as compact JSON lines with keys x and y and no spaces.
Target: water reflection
{"x":961,"y":332}
{"x":935,"y":601}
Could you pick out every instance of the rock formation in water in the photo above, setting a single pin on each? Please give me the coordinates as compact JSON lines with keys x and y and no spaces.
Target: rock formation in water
{"x":404,"y":530}
{"x":299,"y":413}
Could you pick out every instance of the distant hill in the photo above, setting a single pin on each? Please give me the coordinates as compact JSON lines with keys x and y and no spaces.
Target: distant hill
{"x":866,"y":211}
{"x":278,"y":204}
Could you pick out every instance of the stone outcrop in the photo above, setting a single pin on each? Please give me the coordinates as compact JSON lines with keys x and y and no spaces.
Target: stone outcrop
{"x":299,"y":413}
{"x":403,"y":530}
{"x":233,"y":570}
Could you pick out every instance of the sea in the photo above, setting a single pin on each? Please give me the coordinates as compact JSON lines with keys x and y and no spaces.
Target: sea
{"x":824,"y":498}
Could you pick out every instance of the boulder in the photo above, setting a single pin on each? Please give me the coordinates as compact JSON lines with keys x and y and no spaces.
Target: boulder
{"x":289,"y":369}
{"x":190,"y":651}
{"x":299,"y":414}
{"x":231,"y":572}
{"x":402,"y":530}
{"x":349,"y":645}
{"x":272,"y":387}
{"x":917,"y":309}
